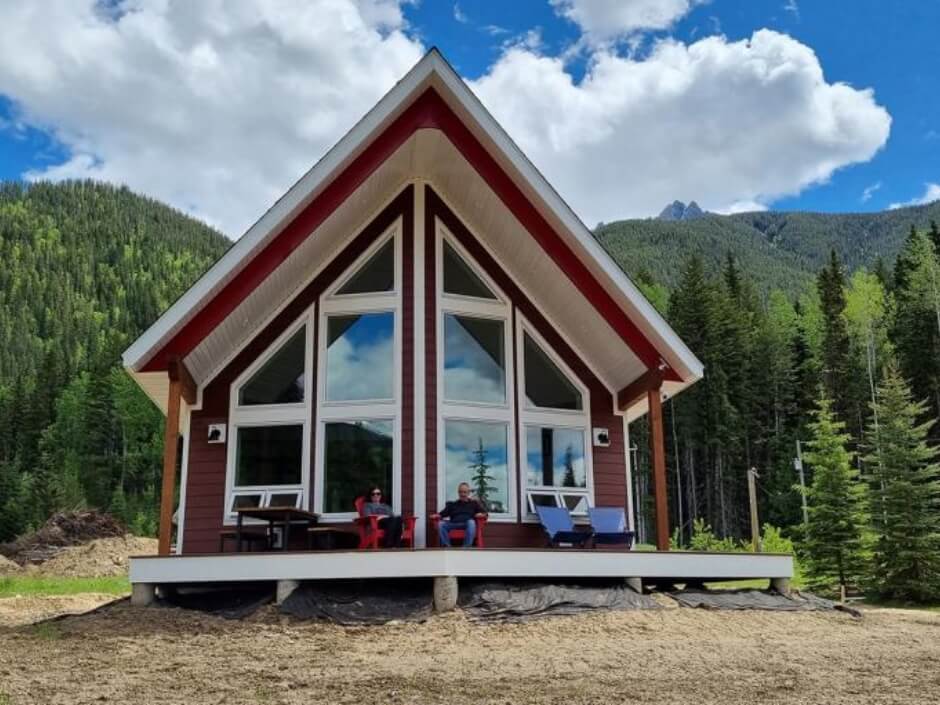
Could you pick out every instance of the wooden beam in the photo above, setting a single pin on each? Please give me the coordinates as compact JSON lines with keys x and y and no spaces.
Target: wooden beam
{"x":640,"y":387}
{"x":658,"y":456}
{"x":170,"y":447}
{"x":176,"y":369}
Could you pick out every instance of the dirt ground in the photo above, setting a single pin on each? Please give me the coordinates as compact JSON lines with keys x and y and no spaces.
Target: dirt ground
{"x":97,"y":558}
{"x":163,"y":655}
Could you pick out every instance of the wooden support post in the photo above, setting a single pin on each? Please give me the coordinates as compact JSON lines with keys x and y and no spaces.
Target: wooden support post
{"x":170,"y":443}
{"x":658,"y":456}
{"x":752,"y":499}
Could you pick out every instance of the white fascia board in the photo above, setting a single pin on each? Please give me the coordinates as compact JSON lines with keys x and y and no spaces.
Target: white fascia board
{"x":280,"y":213}
{"x":690,"y":366}
{"x":469,"y":563}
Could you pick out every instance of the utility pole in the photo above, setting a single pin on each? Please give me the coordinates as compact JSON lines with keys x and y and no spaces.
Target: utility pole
{"x":798,"y":464}
{"x":752,"y":495}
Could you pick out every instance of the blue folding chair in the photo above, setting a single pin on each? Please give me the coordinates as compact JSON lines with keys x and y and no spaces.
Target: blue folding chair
{"x":559,"y":527}
{"x":609,"y":525}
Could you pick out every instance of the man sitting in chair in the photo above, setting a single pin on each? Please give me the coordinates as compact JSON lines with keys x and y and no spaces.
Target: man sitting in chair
{"x":461,"y":514}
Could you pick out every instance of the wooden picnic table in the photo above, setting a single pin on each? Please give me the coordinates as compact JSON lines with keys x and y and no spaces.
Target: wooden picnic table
{"x":283,"y":516}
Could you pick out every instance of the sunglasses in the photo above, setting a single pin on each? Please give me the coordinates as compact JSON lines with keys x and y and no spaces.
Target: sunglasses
{"x":376,"y":494}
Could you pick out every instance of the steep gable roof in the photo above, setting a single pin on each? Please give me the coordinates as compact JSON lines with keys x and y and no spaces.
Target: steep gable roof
{"x":430,"y":95}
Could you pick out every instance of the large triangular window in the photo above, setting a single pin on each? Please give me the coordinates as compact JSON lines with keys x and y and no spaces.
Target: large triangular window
{"x":546,"y":386}
{"x":460,"y":279}
{"x":376,"y":276}
{"x":280,"y":380}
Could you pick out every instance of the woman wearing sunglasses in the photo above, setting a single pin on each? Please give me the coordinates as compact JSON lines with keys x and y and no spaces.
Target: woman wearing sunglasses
{"x":389,"y":522}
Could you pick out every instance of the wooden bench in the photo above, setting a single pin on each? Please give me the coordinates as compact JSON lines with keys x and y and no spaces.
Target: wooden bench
{"x":249,"y":537}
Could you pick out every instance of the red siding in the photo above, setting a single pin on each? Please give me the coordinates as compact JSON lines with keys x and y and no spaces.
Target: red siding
{"x":609,"y":464}
{"x":205,"y":483}
{"x":205,"y":487}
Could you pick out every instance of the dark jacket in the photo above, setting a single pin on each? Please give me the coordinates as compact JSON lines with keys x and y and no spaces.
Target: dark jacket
{"x":459,"y":511}
{"x":377,"y":508}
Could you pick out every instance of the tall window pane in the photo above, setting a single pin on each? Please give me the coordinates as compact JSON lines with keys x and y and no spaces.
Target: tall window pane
{"x":375,"y":276}
{"x":269,"y":455}
{"x":358,"y":454}
{"x":474,"y":360}
{"x":555,"y":457}
{"x":360,"y":357}
{"x":476,"y":452}
{"x":460,"y":279}
{"x":545,"y":385}
{"x":281,"y":379}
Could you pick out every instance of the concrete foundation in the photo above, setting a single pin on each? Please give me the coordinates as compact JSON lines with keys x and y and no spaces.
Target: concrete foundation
{"x":142,"y":594}
{"x":635,"y":584}
{"x":284,"y":589}
{"x":781,"y":585}
{"x":445,"y":593}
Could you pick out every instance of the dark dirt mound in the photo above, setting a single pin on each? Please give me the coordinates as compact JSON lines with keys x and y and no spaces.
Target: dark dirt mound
{"x":61,"y":530}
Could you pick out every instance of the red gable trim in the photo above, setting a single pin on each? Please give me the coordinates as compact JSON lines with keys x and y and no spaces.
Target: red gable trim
{"x":429,"y":110}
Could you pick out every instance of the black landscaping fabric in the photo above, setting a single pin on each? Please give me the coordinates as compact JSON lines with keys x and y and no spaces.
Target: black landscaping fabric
{"x":361,"y":601}
{"x":228,"y":601}
{"x":756,"y":600}
{"x":522,"y":601}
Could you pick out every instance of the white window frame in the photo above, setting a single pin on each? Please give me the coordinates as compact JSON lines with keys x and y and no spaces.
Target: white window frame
{"x":449,"y":410}
{"x":254,"y":415}
{"x":531,"y":415}
{"x":333,"y":304}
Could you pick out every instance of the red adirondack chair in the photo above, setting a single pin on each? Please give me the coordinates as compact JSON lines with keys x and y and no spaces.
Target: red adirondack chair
{"x":371,"y":534}
{"x":457,"y":535}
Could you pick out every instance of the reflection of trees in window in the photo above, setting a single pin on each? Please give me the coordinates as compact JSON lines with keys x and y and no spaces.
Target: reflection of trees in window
{"x":480,"y":480}
{"x":569,"y":480}
{"x":358,"y":454}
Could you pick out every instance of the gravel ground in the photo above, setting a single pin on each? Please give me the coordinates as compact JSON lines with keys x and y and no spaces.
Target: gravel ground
{"x":162,"y":655}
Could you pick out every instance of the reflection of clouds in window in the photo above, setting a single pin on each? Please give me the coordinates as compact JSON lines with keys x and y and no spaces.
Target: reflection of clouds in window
{"x":360,"y":357}
{"x":461,"y":441}
{"x":473,"y":359}
{"x":567,"y":467}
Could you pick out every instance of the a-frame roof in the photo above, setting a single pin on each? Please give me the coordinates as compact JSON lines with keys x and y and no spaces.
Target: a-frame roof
{"x":430,"y":95}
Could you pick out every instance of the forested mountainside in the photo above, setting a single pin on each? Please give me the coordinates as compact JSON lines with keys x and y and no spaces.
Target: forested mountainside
{"x":85,"y":268}
{"x":782,"y":250}
{"x":780,"y":322}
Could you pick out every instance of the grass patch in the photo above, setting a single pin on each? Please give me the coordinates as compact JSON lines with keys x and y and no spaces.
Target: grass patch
{"x":5,"y":699}
{"x":45,"y":586}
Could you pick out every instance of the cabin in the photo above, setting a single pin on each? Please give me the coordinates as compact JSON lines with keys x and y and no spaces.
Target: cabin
{"x":420,"y":309}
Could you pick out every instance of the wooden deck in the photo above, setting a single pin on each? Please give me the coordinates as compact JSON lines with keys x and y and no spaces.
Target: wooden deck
{"x":460,"y":563}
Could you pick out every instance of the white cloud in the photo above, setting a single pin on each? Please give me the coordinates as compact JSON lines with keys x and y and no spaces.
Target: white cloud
{"x":218,"y":107}
{"x":869,"y":191}
{"x":603,"y":20}
{"x":722,"y":122}
{"x":459,"y":14}
{"x":740,"y":207}
{"x":215,"y":107}
{"x":792,"y":7}
{"x":931,"y":194}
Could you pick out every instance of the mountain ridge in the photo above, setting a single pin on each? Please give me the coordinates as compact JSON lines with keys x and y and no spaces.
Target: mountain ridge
{"x":779,"y":249}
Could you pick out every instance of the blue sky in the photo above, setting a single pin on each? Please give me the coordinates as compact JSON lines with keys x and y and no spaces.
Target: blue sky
{"x":893,"y":48}
{"x":161,"y":99}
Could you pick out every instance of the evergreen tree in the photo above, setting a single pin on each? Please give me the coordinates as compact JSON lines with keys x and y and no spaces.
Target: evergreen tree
{"x":935,"y":236}
{"x":834,"y":536}
{"x":905,"y":491}
{"x":569,"y":480}
{"x":479,"y":478}
{"x":916,"y":332}
{"x":842,"y":372}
